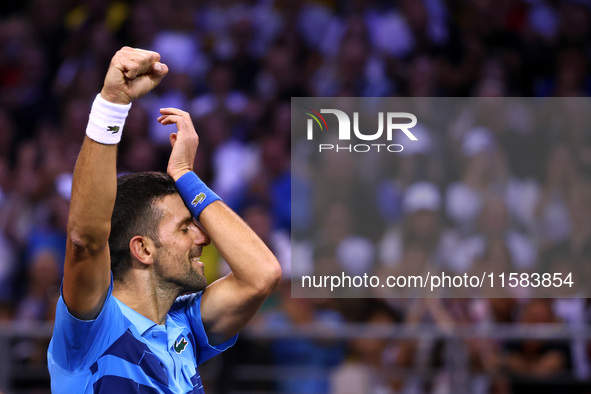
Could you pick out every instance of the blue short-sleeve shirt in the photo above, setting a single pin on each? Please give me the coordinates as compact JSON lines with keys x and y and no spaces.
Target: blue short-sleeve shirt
{"x":122,"y":351}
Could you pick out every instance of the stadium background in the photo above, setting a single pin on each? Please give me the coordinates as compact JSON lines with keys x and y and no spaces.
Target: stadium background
{"x":522,"y":195}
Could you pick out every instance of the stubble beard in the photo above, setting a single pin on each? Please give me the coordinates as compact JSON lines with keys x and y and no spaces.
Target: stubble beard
{"x":184,"y":278}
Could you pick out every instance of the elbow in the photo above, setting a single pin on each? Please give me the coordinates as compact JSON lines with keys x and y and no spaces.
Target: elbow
{"x":272,"y":276}
{"x":275,"y":274}
{"x":91,"y":241}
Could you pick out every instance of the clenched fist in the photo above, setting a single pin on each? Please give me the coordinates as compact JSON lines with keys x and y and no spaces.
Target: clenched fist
{"x":132,"y":73}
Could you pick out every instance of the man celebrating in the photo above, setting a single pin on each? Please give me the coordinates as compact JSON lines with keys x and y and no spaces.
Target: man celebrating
{"x":133,"y":248}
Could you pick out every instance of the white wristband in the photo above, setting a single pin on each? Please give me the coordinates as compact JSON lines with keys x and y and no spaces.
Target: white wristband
{"x":106,"y":120}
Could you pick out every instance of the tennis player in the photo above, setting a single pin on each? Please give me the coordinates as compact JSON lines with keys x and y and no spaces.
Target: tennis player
{"x":133,"y":247}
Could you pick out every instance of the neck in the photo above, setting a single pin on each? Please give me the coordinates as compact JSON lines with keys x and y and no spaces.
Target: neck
{"x":142,"y":294}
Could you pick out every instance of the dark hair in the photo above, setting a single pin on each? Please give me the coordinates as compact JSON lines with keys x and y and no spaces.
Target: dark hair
{"x":135,"y":214}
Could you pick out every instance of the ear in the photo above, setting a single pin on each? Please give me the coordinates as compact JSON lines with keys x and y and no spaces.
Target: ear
{"x":142,"y":249}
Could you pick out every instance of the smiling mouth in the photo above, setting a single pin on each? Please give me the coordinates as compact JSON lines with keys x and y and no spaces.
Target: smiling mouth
{"x":195,"y":253}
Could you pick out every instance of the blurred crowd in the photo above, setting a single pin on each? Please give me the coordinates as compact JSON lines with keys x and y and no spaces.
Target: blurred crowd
{"x":499,"y":197}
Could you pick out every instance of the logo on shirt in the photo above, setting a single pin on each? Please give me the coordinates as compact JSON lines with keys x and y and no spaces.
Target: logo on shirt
{"x":198,"y":199}
{"x":179,"y":346}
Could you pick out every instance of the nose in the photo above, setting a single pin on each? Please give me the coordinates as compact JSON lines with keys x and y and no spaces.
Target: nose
{"x":201,"y":237}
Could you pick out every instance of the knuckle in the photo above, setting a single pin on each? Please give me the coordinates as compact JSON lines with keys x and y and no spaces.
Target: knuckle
{"x":117,"y":57}
{"x":141,"y":58}
{"x":122,"y":53}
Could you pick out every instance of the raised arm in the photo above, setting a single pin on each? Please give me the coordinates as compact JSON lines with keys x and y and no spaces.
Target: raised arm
{"x":132,"y":73}
{"x":230,"y":302}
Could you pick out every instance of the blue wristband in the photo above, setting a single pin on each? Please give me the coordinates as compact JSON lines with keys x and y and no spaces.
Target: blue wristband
{"x":195,"y":193}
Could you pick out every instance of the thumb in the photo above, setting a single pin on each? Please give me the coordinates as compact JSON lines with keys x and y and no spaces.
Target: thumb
{"x":159,"y":71}
{"x":172,"y":139}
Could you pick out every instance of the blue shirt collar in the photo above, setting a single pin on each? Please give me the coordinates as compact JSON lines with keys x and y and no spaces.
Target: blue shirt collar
{"x":141,"y":322}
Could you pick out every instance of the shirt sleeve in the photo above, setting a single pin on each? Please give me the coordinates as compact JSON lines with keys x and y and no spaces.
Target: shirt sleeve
{"x":76,"y":343}
{"x":188,"y":308}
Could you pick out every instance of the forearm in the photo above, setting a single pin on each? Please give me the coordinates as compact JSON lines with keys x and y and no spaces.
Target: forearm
{"x":251,"y":261}
{"x":131,"y":74}
{"x":228,"y":304}
{"x":94,"y":188}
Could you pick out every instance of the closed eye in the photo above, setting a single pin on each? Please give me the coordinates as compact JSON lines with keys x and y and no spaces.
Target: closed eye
{"x":186,"y":224}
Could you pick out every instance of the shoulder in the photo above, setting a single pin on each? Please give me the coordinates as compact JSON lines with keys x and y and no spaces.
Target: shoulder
{"x":186,"y":309}
{"x":76,"y":343}
{"x":186,"y":301}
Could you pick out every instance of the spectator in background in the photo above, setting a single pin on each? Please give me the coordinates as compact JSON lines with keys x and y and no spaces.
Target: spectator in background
{"x":234,"y":163}
{"x":572,"y":311}
{"x":422,"y":226}
{"x":43,"y":274}
{"x":337,"y":179}
{"x":496,"y":259}
{"x":278,"y":77}
{"x":486,"y":171}
{"x":494,"y":226}
{"x":579,"y":211}
{"x":464,"y":198}
{"x":370,"y":360}
{"x":240,"y":31}
{"x":51,"y":235}
{"x":273,"y":181}
{"x":143,"y":25}
{"x":138,"y":152}
{"x":355,"y":71}
{"x":7,"y":137}
{"x":421,"y":80}
{"x":8,"y":257}
{"x":38,"y":301}
{"x":21,"y":204}
{"x":221,"y":96}
{"x":538,"y":358}
{"x":553,"y":221}
{"x":337,"y":239}
{"x":8,"y":269}
{"x":310,"y":355}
